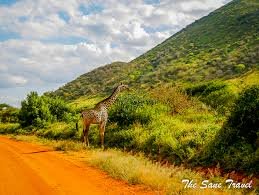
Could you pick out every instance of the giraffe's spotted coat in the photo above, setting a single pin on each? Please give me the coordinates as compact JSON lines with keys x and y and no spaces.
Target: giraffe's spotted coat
{"x":99,"y":114}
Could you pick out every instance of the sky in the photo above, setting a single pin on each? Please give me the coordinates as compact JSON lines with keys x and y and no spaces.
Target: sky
{"x":47,"y":43}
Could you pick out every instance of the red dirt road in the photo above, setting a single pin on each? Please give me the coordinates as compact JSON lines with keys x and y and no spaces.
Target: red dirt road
{"x":30,"y":169}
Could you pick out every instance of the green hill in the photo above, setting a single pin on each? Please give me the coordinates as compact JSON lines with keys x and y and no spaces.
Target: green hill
{"x":223,"y":45}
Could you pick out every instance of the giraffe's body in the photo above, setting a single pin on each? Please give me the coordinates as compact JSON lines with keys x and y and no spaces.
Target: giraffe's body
{"x":99,"y":114}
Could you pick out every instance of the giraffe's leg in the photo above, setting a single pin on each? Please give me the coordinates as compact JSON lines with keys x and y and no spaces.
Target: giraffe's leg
{"x":83,"y":133}
{"x":82,"y":136}
{"x":102,"y":130}
{"x":86,"y":130}
{"x":84,"y":127}
{"x":86,"y":134}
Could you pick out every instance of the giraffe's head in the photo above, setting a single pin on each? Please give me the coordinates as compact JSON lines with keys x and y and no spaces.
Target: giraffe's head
{"x":122,"y":87}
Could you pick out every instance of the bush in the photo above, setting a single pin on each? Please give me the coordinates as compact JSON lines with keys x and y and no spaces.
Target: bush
{"x":58,"y":130}
{"x":58,"y":108}
{"x":120,"y":138}
{"x":38,"y":110}
{"x":205,"y":89}
{"x":177,"y":100}
{"x":236,"y":144}
{"x":6,"y":128}
{"x":245,"y":117}
{"x":239,"y":68}
{"x":8,"y":114}
{"x":34,"y":111}
{"x":221,"y":100}
{"x":130,"y":109}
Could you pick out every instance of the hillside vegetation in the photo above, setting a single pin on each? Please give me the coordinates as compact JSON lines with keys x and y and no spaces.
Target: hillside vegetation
{"x":222,"y":45}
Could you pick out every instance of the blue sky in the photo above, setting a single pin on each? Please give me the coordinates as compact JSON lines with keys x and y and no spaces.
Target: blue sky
{"x":7,"y":2}
{"x":47,"y":43}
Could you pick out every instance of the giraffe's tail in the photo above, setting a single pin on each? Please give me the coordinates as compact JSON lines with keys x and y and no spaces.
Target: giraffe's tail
{"x":77,"y":125}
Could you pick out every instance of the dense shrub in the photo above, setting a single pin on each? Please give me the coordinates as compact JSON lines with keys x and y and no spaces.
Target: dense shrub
{"x":245,"y":117}
{"x":58,"y":108}
{"x":120,"y":138}
{"x":8,"y":114}
{"x":236,"y":144}
{"x":39,"y":110}
{"x":34,"y":111}
{"x":222,"y":100}
{"x":130,"y":109}
{"x":205,"y":89}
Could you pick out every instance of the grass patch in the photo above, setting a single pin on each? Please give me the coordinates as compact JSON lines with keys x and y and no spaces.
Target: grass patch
{"x":138,"y":170}
{"x":244,"y":81}
{"x":7,"y":128}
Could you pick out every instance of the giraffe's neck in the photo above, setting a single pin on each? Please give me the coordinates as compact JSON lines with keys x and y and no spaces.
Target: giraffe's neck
{"x":110,"y":100}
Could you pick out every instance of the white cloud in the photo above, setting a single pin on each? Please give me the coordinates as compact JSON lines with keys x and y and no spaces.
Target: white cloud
{"x":9,"y":80}
{"x":18,"y":80}
{"x":121,"y":31}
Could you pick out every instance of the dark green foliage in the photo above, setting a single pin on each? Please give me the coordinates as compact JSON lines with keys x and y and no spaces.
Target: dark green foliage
{"x":204,"y":89}
{"x":236,"y":144}
{"x":245,"y":117}
{"x":34,"y":111}
{"x":128,"y":109}
{"x":58,"y":108}
{"x":239,"y":155}
{"x":120,"y":138}
{"x":39,"y":110}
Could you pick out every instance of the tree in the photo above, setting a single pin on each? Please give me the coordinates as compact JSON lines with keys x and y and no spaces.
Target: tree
{"x":34,"y":111}
{"x":39,"y":110}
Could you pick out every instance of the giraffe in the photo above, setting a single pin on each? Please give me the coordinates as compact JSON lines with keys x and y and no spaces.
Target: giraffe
{"x":99,"y":114}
